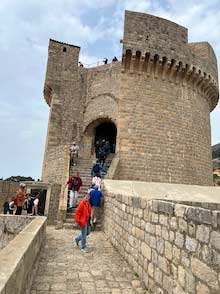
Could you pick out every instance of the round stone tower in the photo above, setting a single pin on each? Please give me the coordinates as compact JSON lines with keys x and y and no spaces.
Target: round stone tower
{"x":168,"y":87}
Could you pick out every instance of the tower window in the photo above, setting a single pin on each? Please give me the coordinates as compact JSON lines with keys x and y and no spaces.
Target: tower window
{"x":64,"y":49}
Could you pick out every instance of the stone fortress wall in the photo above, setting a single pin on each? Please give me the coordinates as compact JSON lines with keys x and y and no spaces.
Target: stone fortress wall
{"x":172,"y":245}
{"x":159,"y":98}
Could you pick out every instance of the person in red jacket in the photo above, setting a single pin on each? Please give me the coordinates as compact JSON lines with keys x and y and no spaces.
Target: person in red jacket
{"x":82,"y":217}
{"x":74,"y":183}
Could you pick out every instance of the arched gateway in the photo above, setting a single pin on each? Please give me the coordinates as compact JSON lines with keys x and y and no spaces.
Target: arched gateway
{"x":107,"y":131}
{"x":98,"y":130}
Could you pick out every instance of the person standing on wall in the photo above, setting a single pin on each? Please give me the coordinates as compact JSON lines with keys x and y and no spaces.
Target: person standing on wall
{"x":75,"y":184}
{"x":82,"y":217}
{"x":20,"y":199}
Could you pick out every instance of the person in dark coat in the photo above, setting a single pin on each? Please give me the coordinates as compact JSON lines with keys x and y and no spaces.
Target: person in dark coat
{"x":96,"y":169}
{"x":6,"y":207}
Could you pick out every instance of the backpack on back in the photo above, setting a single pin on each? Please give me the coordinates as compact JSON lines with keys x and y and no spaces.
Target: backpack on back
{"x":96,"y":168}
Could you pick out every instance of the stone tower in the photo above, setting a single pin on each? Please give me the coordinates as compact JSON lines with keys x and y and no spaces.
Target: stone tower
{"x":158,"y":99}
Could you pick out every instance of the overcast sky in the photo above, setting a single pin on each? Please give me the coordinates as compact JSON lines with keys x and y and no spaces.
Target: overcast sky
{"x":94,"y":25}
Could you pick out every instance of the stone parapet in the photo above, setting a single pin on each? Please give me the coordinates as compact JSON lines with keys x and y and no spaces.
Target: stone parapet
{"x":113,"y":169}
{"x":161,"y":39}
{"x":19,"y":257}
{"x":10,"y":226}
{"x":173,"y":247}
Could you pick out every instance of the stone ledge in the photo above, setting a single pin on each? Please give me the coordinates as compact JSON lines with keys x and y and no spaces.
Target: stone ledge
{"x":201,"y":196}
{"x":19,"y":256}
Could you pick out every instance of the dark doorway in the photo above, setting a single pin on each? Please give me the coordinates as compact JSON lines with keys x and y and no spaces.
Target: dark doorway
{"x":42,"y":200}
{"x":107,"y":131}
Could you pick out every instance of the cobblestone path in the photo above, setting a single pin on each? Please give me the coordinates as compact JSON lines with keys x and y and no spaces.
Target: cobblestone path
{"x":63,"y":268}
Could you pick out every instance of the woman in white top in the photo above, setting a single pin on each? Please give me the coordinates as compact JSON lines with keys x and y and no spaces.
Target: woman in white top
{"x":36,"y":203}
{"x":96,"y":180}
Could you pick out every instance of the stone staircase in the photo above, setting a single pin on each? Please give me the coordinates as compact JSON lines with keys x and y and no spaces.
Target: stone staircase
{"x":84,"y":166}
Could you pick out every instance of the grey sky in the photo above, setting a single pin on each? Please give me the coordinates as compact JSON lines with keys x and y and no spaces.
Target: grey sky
{"x":96,"y":26}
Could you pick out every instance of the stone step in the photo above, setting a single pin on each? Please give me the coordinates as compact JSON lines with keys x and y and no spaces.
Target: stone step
{"x":84,"y":166}
{"x":69,"y":220}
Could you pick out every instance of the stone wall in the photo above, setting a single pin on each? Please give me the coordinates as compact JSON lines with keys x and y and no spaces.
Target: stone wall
{"x":54,"y":164}
{"x":10,"y":226}
{"x":53,"y":204}
{"x":56,"y":172}
{"x":147,"y":32}
{"x":173,"y":247}
{"x":8,"y":190}
{"x":158,"y":36}
{"x":164,"y":132}
{"x":19,"y":257}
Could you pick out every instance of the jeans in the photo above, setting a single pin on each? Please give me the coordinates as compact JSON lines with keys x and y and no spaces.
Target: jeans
{"x":73,"y":198}
{"x":84,"y":232}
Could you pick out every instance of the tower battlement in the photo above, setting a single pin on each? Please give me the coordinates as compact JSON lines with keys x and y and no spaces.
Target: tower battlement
{"x":159,"y":47}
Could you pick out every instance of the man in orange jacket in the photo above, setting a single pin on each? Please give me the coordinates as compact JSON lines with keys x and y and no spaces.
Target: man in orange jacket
{"x":82,"y":217}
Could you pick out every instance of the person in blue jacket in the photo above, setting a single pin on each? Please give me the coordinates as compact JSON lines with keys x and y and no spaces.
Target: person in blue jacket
{"x":95,"y":201}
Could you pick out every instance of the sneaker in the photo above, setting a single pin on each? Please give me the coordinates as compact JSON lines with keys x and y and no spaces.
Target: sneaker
{"x":76,"y":241}
{"x":84,"y":250}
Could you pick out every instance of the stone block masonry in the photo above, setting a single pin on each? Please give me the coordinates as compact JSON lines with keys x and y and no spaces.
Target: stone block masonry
{"x":20,"y":255}
{"x":8,"y":190}
{"x":173,"y":247}
{"x":55,"y":166}
{"x":10,"y":226}
{"x":53,"y":204}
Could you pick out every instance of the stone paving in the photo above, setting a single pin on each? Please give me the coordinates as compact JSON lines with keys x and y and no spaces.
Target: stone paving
{"x":63,"y":268}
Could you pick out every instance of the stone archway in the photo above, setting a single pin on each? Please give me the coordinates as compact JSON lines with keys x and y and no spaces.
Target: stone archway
{"x":101,"y":128}
{"x":107,"y":131}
